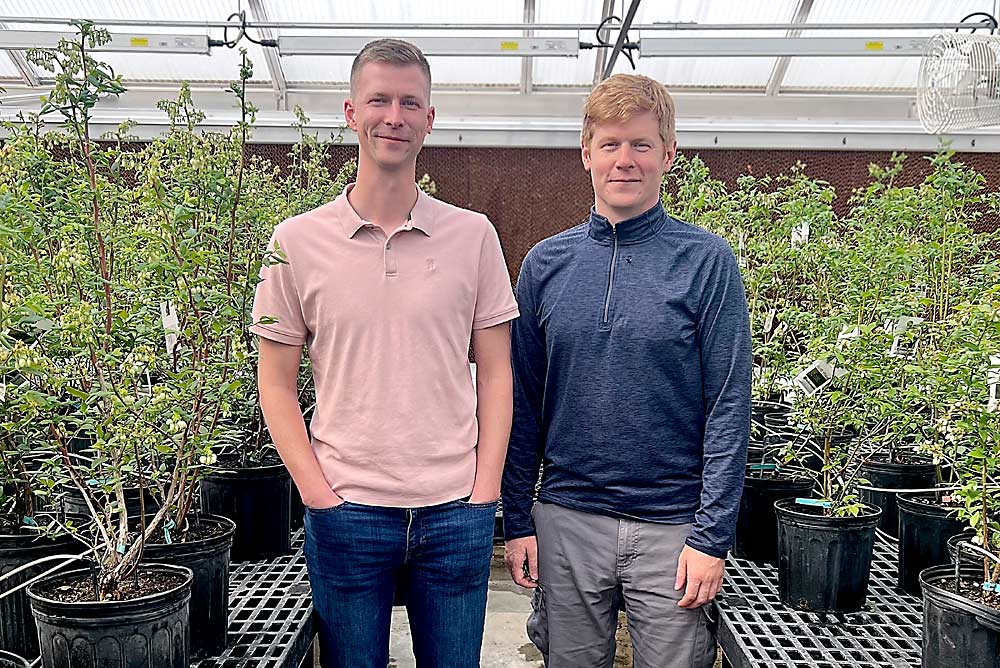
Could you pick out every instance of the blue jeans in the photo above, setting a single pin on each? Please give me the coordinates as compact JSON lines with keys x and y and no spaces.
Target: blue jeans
{"x":439,"y":555}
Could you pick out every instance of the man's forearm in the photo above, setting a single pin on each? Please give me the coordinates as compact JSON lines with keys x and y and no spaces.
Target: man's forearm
{"x":283,"y":415}
{"x":494,"y":390}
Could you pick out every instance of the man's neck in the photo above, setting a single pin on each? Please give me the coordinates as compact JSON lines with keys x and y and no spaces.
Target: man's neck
{"x":384,"y":199}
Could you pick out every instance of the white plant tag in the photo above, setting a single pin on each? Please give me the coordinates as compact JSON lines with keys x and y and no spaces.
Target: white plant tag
{"x":742,"y":257}
{"x":993,"y":379}
{"x":817,"y":376}
{"x":171,"y":326}
{"x":897,"y":328}
{"x":3,"y":389}
{"x":901,"y":325}
{"x":847,"y":334}
{"x":769,"y":320}
{"x":800,"y":234}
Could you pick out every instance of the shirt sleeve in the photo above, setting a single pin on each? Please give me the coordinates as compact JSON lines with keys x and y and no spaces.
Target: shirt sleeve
{"x":495,"y":302}
{"x":527,"y":438}
{"x":724,"y":338}
{"x":277,"y":309}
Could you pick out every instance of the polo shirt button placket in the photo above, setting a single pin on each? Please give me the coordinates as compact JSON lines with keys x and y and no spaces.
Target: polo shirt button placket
{"x":390,"y":260}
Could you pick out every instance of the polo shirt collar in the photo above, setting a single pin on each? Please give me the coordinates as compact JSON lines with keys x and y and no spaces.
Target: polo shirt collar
{"x":421,"y":216}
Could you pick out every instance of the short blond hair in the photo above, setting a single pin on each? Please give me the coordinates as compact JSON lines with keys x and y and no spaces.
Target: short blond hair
{"x":622,"y":96}
{"x":391,"y":52}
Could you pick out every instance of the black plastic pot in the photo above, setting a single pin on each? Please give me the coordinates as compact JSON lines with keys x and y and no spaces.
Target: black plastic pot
{"x":924,"y":530}
{"x":756,"y":524}
{"x":74,"y":504}
{"x":8,"y":660}
{"x":17,"y":626}
{"x":957,"y":631}
{"x":151,"y":631}
{"x":297,"y":509}
{"x":824,"y":563}
{"x":208,"y":560}
{"x":257,"y":499}
{"x":894,"y":476}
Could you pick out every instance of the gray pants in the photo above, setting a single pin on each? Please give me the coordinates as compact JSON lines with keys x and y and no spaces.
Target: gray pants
{"x":587,"y":565}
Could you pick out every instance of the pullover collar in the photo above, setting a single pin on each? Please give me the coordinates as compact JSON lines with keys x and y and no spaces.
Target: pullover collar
{"x":635,"y":230}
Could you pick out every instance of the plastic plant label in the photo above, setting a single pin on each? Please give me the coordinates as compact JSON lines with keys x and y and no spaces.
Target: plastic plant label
{"x":769,"y":321}
{"x":3,"y":389}
{"x":818,"y":503}
{"x":991,"y":586}
{"x":742,"y":255}
{"x":993,"y":379}
{"x":900,"y":325}
{"x":847,"y":335}
{"x":897,"y":328}
{"x":800,"y":234}
{"x":121,"y":549}
{"x":817,"y":376}
{"x":171,"y":326}
{"x":763,"y":467}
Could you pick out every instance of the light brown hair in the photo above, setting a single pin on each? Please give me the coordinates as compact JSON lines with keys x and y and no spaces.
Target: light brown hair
{"x":620,"y":97}
{"x":392,"y":52}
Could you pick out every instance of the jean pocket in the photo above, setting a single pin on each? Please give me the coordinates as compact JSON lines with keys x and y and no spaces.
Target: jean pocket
{"x":488,"y":504}
{"x":326,"y":511}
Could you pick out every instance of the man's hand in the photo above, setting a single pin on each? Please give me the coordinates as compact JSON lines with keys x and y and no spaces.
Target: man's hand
{"x":519,"y":552}
{"x":703,"y":575}
{"x":325,"y":498}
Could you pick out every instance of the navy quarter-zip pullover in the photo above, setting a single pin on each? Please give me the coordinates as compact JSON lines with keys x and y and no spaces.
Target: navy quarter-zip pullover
{"x":632,"y":375}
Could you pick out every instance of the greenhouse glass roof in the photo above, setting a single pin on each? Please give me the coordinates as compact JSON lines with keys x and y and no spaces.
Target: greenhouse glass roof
{"x":521,"y":100}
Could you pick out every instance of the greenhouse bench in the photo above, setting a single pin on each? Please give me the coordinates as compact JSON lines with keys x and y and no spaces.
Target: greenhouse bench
{"x":755,"y":629}
{"x":270,"y":614}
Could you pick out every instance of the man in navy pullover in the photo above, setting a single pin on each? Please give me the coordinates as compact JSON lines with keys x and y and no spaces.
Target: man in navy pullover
{"x":632,"y":395}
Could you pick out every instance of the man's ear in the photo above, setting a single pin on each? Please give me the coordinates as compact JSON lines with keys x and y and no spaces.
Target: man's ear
{"x":352,"y":121}
{"x":585,"y":156}
{"x":670,"y":155}
{"x":430,"y":119}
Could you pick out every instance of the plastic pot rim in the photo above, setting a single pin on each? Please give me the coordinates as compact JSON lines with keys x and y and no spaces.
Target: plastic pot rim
{"x":785,"y":509}
{"x":929,"y":577}
{"x":84,"y":607}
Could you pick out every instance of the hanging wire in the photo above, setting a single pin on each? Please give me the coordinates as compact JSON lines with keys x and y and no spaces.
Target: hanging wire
{"x":991,"y":17}
{"x":627,"y":47}
{"x":241,"y":29}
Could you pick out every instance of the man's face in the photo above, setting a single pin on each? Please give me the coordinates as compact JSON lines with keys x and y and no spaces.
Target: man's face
{"x":626,"y":161}
{"x":390,"y":110}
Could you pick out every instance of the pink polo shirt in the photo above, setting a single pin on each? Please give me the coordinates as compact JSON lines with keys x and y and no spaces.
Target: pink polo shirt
{"x":387,"y":323}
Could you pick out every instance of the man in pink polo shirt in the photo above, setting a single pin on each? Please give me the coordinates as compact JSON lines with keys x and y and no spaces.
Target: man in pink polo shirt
{"x":386,"y":286}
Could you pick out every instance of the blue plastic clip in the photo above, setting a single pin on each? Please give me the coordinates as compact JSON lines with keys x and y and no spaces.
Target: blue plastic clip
{"x":814,"y":502}
{"x":29,"y":521}
{"x":763,"y":467}
{"x":167,"y":526}
{"x":990,"y":586}
{"x":121,"y":549}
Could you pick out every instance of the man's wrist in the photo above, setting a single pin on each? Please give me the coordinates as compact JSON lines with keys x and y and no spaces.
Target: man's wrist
{"x":484,"y":495}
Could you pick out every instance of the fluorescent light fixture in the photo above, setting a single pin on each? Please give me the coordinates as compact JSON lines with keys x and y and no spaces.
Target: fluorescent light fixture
{"x":652,"y":47}
{"x":122,"y":42}
{"x":341,"y":45}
